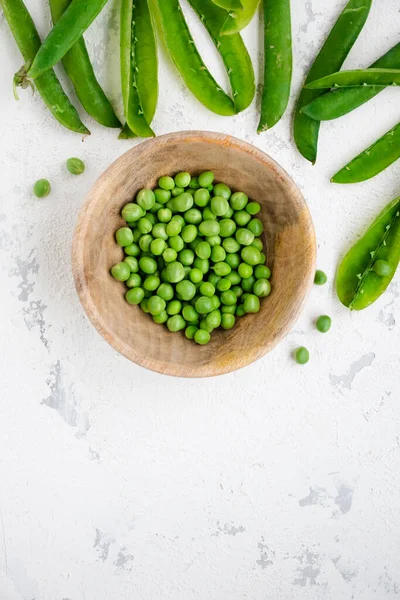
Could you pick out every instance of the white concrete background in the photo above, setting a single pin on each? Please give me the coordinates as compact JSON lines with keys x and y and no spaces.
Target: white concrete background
{"x":277,"y":482}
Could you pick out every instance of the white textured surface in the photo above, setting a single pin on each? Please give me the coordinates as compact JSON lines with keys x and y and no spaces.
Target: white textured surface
{"x":273,"y":483}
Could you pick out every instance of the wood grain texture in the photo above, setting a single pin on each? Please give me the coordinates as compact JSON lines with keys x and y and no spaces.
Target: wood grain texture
{"x":288,"y":235}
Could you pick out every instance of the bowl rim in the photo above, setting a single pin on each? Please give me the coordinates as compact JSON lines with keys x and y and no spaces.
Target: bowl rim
{"x":82,"y":222}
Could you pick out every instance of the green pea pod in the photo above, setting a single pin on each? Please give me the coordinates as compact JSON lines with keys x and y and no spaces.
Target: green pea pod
{"x":188,"y":61}
{"x":277,"y":62}
{"x":357,"y":283}
{"x":137,"y":49}
{"x":232,"y":50}
{"x":80,"y":71}
{"x":373,"y":160}
{"x":229,"y":4}
{"x":65,"y":33}
{"x":357,"y":78}
{"x":337,"y":103}
{"x":126,"y":133}
{"x":48,"y":86}
{"x":236,"y":20}
{"x":329,"y":60}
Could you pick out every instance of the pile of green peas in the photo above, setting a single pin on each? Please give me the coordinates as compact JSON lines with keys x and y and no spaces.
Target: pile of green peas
{"x":194,"y":258}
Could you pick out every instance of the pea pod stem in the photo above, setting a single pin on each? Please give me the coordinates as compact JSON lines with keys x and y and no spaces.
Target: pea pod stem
{"x":329,"y":60}
{"x":341,"y":101}
{"x":380,"y":155}
{"x":232,"y":50}
{"x":277,"y":62}
{"x":236,"y":20}
{"x":48,"y":85}
{"x":66,"y":32}
{"x":357,"y":78}
{"x":188,"y":61}
{"x":80,"y":71}
{"x":357,"y":284}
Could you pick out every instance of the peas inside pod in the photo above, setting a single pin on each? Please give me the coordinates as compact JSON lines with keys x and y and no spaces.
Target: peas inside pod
{"x":194,"y":255}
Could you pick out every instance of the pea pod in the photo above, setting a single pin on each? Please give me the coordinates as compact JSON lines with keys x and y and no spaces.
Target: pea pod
{"x":233,"y":52}
{"x":229,"y":4}
{"x":236,"y":20}
{"x":65,"y":33}
{"x":188,"y":61}
{"x":373,"y":160}
{"x":357,"y":283}
{"x":357,"y":78}
{"x":80,"y":71}
{"x":277,"y":62}
{"x":329,"y":60}
{"x":48,"y":86}
{"x":337,"y":103}
{"x":138,"y":56}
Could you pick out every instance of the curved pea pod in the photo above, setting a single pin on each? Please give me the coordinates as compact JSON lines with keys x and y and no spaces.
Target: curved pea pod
{"x":138,"y":55}
{"x":232,"y":50}
{"x":373,"y":160}
{"x":48,"y":85}
{"x":80,"y":71}
{"x":357,"y":78}
{"x":277,"y":62}
{"x":236,"y":20}
{"x":329,"y":60}
{"x":339,"y":102}
{"x":65,"y":33}
{"x":357,"y":284}
{"x":188,"y":61}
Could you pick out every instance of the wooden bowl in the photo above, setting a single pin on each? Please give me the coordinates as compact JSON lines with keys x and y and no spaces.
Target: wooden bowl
{"x":288,"y":236}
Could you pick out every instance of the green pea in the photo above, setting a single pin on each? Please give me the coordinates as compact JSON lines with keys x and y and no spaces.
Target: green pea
{"x":147,"y":265}
{"x":262,"y":288}
{"x":227,"y":321}
{"x":182,"y":179}
{"x":176,"y":323}
{"x":156,"y":305}
{"x":244,"y":237}
{"x":201,"y":337}
{"x":214,"y":240}
{"x":161,"y":318}
{"x":146,"y":199}
{"x":233,"y":260}
{"x":206,"y":178}
{"x":144,"y":225}
{"x":134,"y":281}
{"x":164,"y":215}
{"x":241,"y":218}
{"x":186,"y":290}
{"x":42,"y":188}
{"x":216,"y":302}
{"x":263,"y":258}
{"x":176,"y":243}
{"x":150,"y":217}
{"x":227,"y":228}
{"x":231,"y":245}
{"x":186,"y":257}
{"x":208,"y":214}
{"x":301,"y":355}
{"x":213,"y":319}
{"x":201,"y":197}
{"x":169,"y":255}
{"x":218,"y":254}
{"x":189,"y":233}
{"x":165,"y":291}
{"x":203,"y":250}
{"x":222,"y":269}
{"x":262,"y":272}
{"x":234,"y":277}
{"x":248,"y":283}
{"x":132,"y":250}
{"x":190,"y":331}
{"x":220,"y":189}
{"x":229,"y":213}
{"x":224,"y":285}
{"x":207,"y":289}
{"x":253,"y":208}
{"x":229,"y":298}
{"x":251,"y":255}
{"x":320,"y":278}
{"x":75,"y":166}
{"x":173,"y":228}
{"x":238,"y":200}
{"x":240,"y":312}
{"x":143,"y":305}
{"x":238,"y":290}
{"x":174,"y":307}
{"x":219,"y":206}
{"x":151,"y":283}
{"x":175,"y":272}
{"x":132,"y":212}
{"x":179,"y":219}
{"x":166,"y":183}
{"x":124,"y":236}
{"x":183,"y":202}
{"x":162,"y":196}
{"x":229,"y":310}
{"x":121,"y":271}
{"x":177,"y":191}
{"x":134,"y":295}
{"x":194,"y":183}
{"x":210,"y":227}
{"x":257,"y":243}
{"x":193,"y":216}
{"x":195,"y":275}
{"x":251,"y":304}
{"x":136,"y":235}
{"x":202,"y":263}
{"x":204,"y":305}
{"x":256,"y":227}
{"x":245,"y":271}
{"x":382,"y":268}
{"x":323,"y":323}
{"x":132,"y":263}
{"x":189,"y":313}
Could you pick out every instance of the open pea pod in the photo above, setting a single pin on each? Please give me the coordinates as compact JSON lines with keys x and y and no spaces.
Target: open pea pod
{"x":237,"y":20}
{"x":368,"y":268}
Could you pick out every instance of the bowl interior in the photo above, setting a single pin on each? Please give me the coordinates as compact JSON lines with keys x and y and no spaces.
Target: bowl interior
{"x":288,"y":236}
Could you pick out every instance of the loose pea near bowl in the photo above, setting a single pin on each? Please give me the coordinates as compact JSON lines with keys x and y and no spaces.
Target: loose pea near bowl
{"x":288,"y":237}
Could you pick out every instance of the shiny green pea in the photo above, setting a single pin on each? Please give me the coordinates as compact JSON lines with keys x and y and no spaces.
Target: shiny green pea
{"x":156,"y":305}
{"x":75,"y":166}
{"x":165,"y":291}
{"x":132,"y":263}
{"x":245,"y":271}
{"x":147,"y":265}
{"x":206,"y":178}
{"x":229,"y":298}
{"x":202,"y":263}
{"x":207,"y":289}
{"x":227,"y":228}
{"x":169,"y":255}
{"x":186,"y":257}
{"x":144,"y":225}
{"x":219,"y":206}
{"x":132,"y":212}
{"x":239,"y":200}
{"x":162,"y":196}
{"x":231,"y":245}
{"x":214,"y":240}
{"x":190,"y":314}
{"x":183,"y":202}
{"x":201,"y":337}
{"x":203,"y":250}
{"x":244,"y":236}
{"x":221,"y":189}
{"x":182,"y":179}
{"x":151,"y":283}
{"x":228,"y":310}
{"x":132,"y":250}
{"x":257,"y":243}
{"x":193,"y":216}
{"x":251,"y":255}
{"x":194,"y":183}
{"x":176,"y":243}
{"x":190,"y":332}
{"x":158,"y":246}
{"x":177,"y":191}
{"x":124,"y":236}
{"x":42,"y":188}
{"x":134,"y":295}
{"x":213,"y":319}
{"x":262,"y":288}
{"x":121,"y":271}
{"x":209,"y":227}
{"x":204,"y":305}
{"x":382,"y":268}
{"x":208,"y":214}
{"x":195,"y":275}
{"x":256,"y":227}
{"x":134,"y":281}
{"x":301,"y":355}
{"x":145,"y":199}
{"x":176,"y":323}
{"x":234,"y":277}
{"x":224,"y":285}
{"x":222,"y":269}
{"x":189,"y":233}
{"x":218,"y":254}
{"x":262,"y":272}
{"x":227,"y":321}
{"x":241,"y":218}
{"x":248,"y":283}
{"x":162,"y":317}
{"x":174,"y":307}
{"x":164,"y":215}
{"x":238,"y":290}
{"x":233,"y":260}
{"x":201,"y":197}
{"x":323,"y":323}
{"x":175,"y":272}
{"x":251,"y":304}
{"x":145,"y":242}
